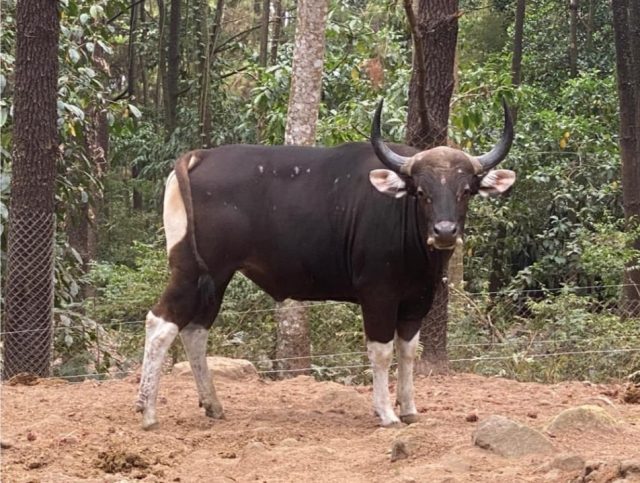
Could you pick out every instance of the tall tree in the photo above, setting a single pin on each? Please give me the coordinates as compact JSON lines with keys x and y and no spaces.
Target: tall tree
{"x":264,"y":33}
{"x":435,"y":32}
{"x":29,"y":291}
{"x":173,"y":68}
{"x":302,"y":116}
{"x":205,"y":69}
{"x":574,"y":5}
{"x":626,"y":22}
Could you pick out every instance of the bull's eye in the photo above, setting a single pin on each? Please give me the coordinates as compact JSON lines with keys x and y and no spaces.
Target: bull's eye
{"x":466,"y":191}
{"x":423,"y":195}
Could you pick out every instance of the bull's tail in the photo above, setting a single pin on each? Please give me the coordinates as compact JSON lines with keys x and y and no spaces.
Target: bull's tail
{"x":206,"y":286}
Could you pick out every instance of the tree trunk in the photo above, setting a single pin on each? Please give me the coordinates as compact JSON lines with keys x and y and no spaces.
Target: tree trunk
{"x":432,"y":79}
{"x":133,"y":27}
{"x":264,"y":33}
{"x":160,"y":92}
{"x":574,"y":5}
{"x":304,"y":102}
{"x":518,"y":35}
{"x":173,"y":68}
{"x":277,"y":31}
{"x":435,"y":32}
{"x":497,"y":277}
{"x":626,"y":15}
{"x":29,"y":291}
{"x":141,"y":59}
{"x":205,"y":66}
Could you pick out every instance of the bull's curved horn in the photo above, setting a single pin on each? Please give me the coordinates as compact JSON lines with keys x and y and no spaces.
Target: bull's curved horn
{"x":390,"y":159}
{"x":500,"y":150}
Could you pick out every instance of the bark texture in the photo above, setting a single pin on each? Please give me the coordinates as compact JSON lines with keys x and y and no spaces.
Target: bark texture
{"x":574,"y":5}
{"x":293,"y":333}
{"x":435,"y":32}
{"x":306,"y":78}
{"x":626,"y":18}
{"x":29,"y":290}
{"x":173,"y":68}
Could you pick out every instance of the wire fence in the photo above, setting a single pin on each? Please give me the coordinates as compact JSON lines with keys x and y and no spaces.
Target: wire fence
{"x":551,"y":335}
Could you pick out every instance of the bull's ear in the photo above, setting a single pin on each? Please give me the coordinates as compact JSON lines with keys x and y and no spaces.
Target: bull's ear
{"x":496,"y":182}
{"x":388,"y":182}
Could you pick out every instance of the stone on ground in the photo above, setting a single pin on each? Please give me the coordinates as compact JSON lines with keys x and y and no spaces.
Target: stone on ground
{"x":509,"y":438}
{"x":221,"y":367}
{"x":582,"y":418}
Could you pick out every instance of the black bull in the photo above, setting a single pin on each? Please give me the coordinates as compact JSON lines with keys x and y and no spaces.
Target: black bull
{"x":313,"y":223}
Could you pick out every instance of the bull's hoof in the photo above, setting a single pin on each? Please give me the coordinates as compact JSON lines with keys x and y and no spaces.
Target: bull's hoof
{"x":150,"y":425}
{"x":214,"y":412}
{"x":409,"y":418}
{"x":393,"y":425}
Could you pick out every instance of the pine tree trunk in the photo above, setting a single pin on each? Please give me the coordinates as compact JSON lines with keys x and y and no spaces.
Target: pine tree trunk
{"x":264,"y":33}
{"x":304,"y":102}
{"x":435,"y":34}
{"x":276,"y":31}
{"x":173,"y":68}
{"x":205,"y":68}
{"x":29,"y":291}
{"x":626,"y":15}
{"x":574,"y":5}
{"x":160,"y":91}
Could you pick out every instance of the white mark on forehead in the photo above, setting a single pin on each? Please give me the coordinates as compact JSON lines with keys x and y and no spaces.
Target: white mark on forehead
{"x":261,"y":168}
{"x":296,"y":170}
{"x":335,"y":181}
{"x":460,"y":170}
{"x":443,"y":180}
{"x":308,"y":170}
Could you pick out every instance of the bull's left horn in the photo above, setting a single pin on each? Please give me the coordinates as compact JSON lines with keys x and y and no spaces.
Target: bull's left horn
{"x":500,"y":150}
{"x":390,"y":159}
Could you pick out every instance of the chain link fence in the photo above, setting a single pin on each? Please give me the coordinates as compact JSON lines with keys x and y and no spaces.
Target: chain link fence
{"x":544,"y":335}
{"x":27,"y":330}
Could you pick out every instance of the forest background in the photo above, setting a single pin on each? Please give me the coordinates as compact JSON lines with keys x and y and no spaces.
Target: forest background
{"x":141,"y":82}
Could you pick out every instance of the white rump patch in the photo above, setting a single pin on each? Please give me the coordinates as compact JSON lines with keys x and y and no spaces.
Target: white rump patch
{"x":174,"y":212}
{"x":496,"y":182}
{"x":388,"y":182}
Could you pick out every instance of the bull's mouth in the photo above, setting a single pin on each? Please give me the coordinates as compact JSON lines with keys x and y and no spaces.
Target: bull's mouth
{"x":433,"y":242}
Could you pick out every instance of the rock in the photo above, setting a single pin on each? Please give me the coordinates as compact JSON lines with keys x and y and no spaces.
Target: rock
{"x":582,"y":418}
{"x":563,"y":462}
{"x":630,"y":466}
{"x":399,"y":450}
{"x":508,"y":438}
{"x":220,"y":367}
{"x":4,"y":444}
{"x":471,"y":418}
{"x":631,"y":394}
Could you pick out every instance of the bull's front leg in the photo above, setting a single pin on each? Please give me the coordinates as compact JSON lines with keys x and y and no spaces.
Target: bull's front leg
{"x":406,"y":354}
{"x":380,"y":355}
{"x":158,"y":338}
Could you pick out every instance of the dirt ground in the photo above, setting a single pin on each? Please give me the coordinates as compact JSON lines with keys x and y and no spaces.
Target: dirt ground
{"x":297,"y":430}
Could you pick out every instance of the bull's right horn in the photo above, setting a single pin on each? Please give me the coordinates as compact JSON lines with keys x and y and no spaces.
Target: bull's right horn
{"x":390,"y":159}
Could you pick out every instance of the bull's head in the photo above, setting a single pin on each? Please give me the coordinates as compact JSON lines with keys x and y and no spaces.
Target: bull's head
{"x":443,"y":179}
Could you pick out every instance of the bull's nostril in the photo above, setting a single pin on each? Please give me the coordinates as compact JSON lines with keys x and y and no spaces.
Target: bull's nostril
{"x":436,"y":230}
{"x":454,"y":231}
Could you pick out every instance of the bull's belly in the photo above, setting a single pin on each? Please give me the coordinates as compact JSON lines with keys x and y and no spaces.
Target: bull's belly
{"x":299,"y":287}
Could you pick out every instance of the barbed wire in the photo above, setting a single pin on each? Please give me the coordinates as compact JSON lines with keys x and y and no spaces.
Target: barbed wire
{"x":312,"y":369}
{"x":321,"y":304}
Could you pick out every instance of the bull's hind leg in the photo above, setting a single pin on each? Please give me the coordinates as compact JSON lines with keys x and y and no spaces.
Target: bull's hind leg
{"x":160,"y":333}
{"x":176,"y":307}
{"x":194,"y":339}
